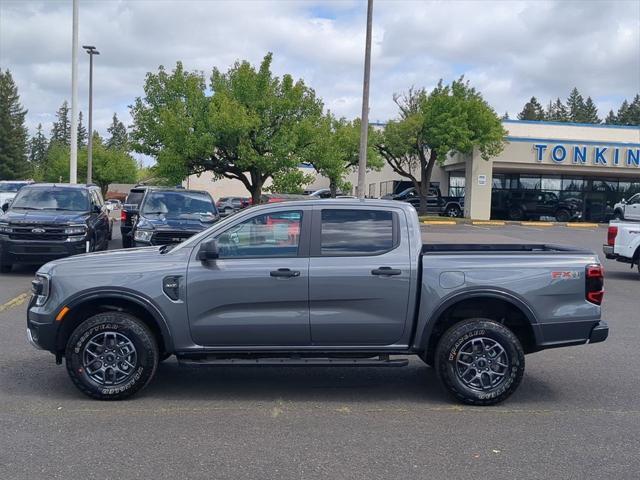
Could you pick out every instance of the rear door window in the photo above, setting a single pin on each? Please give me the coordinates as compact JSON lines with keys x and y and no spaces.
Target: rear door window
{"x":347,"y":232}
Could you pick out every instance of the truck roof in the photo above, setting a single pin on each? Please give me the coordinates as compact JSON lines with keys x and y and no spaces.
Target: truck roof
{"x":356,"y":202}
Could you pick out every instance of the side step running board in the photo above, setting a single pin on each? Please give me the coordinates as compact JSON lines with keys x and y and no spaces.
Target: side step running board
{"x":294,"y":362}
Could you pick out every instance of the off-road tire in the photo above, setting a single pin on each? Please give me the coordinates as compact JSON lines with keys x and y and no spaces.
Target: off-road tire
{"x":448,"y":353}
{"x":147,"y":355}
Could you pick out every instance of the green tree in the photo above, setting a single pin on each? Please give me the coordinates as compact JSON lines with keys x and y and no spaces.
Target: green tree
{"x":290,"y":181}
{"x":450,"y":119}
{"x":557,"y":112}
{"x":335,"y":151}
{"x":109,"y":165}
{"x":38,"y":146}
{"x":118,"y":137}
{"x":13,"y":132}
{"x":576,"y":106}
{"x":505,"y":116}
{"x":61,"y":130}
{"x":254,"y":126}
{"x":532,"y":111}
{"x":82,"y":132}
{"x":591,"y":112}
{"x":629,"y":113}
{"x":611,"y":118}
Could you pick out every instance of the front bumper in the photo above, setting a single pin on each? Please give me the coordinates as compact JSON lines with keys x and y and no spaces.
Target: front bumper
{"x":42,"y":329}
{"x":38,"y":251}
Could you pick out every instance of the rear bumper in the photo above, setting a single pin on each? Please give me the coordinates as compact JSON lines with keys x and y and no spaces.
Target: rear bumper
{"x":608,"y":252}
{"x":599,"y":333}
{"x":565,"y":334}
{"x":36,"y":251}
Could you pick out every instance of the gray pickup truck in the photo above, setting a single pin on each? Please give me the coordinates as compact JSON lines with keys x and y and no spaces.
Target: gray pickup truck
{"x":328,"y":282}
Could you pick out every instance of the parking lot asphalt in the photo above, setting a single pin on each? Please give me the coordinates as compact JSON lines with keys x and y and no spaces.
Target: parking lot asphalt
{"x":575,"y":416}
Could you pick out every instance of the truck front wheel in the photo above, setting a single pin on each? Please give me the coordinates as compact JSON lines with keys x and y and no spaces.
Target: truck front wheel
{"x":479,"y":361}
{"x":111,"y":356}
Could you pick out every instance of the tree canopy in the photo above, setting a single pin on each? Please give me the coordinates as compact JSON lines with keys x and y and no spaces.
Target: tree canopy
{"x":61,"y":129}
{"x":252,"y":127}
{"x":532,"y":111}
{"x":451,"y":118}
{"x":13,"y":132}
{"x":118,"y":136}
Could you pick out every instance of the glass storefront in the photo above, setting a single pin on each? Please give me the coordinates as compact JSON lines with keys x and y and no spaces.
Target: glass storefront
{"x":587,"y":198}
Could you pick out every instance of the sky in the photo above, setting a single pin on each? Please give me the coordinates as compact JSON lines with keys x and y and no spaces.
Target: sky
{"x":508,"y":50}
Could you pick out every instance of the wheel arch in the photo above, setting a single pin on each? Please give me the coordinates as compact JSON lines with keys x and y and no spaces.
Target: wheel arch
{"x":503,"y":307}
{"x":86,"y":304}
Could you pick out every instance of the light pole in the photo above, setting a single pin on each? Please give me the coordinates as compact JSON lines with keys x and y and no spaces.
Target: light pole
{"x":91,"y":50}
{"x":73,"y":154}
{"x":364,"y":127}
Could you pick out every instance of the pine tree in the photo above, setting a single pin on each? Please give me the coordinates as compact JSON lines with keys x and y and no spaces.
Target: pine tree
{"x":61,"y":131}
{"x":82,"y":133}
{"x":611,"y":119}
{"x":119,"y":139}
{"x":576,"y":106}
{"x":591,"y":112}
{"x":13,"y":132}
{"x":38,"y":149}
{"x":629,"y":113}
{"x":505,"y":116}
{"x":557,"y":112}
{"x":532,"y":111}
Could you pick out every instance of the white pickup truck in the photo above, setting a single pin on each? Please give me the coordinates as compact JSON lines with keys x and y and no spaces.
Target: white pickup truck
{"x":623,"y":243}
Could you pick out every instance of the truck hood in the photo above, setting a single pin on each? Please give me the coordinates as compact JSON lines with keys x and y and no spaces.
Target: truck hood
{"x":43,"y":217}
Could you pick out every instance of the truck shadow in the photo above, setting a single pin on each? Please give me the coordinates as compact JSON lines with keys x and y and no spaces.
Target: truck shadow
{"x":631,"y":274}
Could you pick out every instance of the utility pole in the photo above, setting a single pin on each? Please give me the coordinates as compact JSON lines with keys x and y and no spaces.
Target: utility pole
{"x":364,"y":127}
{"x":91,"y":50}
{"x":73,"y":157}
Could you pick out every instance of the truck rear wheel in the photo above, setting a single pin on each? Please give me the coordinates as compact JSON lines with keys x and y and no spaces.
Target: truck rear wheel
{"x":479,"y":361}
{"x":111,"y":356}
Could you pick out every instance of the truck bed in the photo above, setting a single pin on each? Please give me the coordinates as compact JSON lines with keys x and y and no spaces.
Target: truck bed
{"x":489,"y":248}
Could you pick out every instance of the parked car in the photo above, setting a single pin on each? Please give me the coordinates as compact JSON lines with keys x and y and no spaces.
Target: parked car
{"x":8,"y":190}
{"x":325,"y":193}
{"x":113,"y":204}
{"x":628,"y":209}
{"x":437,"y":204}
{"x":228,"y":205}
{"x":171,"y":215}
{"x":281,"y":197}
{"x":623,"y":243}
{"x":534,"y":204}
{"x":128,"y":213}
{"x":317,"y":282}
{"x":47,"y":221}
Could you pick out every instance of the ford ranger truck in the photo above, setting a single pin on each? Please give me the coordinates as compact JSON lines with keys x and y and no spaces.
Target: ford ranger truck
{"x":316,"y":282}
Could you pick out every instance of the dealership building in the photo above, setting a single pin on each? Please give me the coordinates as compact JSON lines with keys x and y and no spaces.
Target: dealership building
{"x":594,"y":165}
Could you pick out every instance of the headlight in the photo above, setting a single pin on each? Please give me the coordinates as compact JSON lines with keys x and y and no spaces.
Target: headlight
{"x":5,"y":228}
{"x":143,"y":235}
{"x":40,"y":288}
{"x":75,"y":230}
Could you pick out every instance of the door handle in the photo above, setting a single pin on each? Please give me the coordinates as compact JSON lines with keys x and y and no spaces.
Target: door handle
{"x":386,"y":271}
{"x":284,"y":273}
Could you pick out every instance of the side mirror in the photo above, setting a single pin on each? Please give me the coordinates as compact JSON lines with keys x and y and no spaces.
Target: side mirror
{"x":624,"y":201}
{"x":208,"y":250}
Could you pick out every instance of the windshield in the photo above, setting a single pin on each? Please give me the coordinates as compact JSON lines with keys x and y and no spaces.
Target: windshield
{"x":10,"y":187}
{"x":51,"y":198}
{"x":178,"y":204}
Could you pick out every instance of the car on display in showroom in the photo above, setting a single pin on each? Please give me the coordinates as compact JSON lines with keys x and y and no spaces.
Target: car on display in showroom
{"x":8,"y":190}
{"x":228,"y":205}
{"x":533,"y":205}
{"x":436,"y":203}
{"x":623,"y":243}
{"x":47,"y":221}
{"x":171,"y":215}
{"x":628,"y":209}
{"x":316,"y":282}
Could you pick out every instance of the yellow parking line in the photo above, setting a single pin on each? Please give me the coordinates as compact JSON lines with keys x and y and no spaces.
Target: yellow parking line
{"x":538,"y":224}
{"x":439,"y":222}
{"x":14,"y":302}
{"x":582,"y":225}
{"x":487,"y":222}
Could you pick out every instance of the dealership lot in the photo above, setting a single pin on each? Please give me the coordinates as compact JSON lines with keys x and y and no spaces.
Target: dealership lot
{"x":576,"y":415}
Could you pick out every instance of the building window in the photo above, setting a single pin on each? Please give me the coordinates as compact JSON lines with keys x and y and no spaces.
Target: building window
{"x":386,"y":188}
{"x":456,"y":185}
{"x":372,"y":190}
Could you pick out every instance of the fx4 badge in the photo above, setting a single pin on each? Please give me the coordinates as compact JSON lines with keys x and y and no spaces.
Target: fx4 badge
{"x":565,"y":275}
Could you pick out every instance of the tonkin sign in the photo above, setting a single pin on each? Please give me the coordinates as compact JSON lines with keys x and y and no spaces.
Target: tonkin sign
{"x":614,"y":155}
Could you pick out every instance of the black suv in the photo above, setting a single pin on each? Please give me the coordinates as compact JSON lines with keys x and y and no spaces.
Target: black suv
{"x":47,"y":221}
{"x":128,"y":213}
{"x":171,"y":215}
{"x":534,"y":204}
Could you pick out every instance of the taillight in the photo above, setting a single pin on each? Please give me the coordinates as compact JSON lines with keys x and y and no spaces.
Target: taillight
{"x":612,"y":233}
{"x":123,"y":215}
{"x":594,"y":279}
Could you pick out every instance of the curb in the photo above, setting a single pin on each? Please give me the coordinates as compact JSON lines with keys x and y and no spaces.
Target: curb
{"x":583,"y":225}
